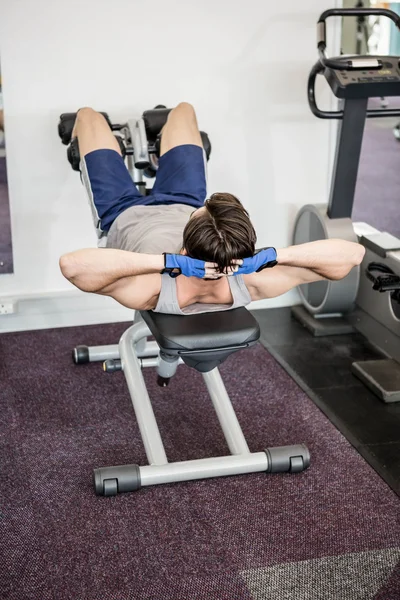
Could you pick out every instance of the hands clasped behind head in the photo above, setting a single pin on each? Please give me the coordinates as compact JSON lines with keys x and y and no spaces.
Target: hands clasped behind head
{"x":178,"y":264}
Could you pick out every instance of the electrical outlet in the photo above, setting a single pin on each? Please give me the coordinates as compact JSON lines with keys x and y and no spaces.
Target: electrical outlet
{"x":7,"y":307}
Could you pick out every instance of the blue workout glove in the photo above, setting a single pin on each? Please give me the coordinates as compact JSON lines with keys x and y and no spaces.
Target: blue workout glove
{"x":184,"y":265}
{"x":262,"y":259}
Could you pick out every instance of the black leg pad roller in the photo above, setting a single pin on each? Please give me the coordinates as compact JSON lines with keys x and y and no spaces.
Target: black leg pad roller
{"x":154,"y":120}
{"x":206,"y":143}
{"x":66,"y":125}
{"x":204,"y":138}
{"x":74,"y":157}
{"x":121,"y":145}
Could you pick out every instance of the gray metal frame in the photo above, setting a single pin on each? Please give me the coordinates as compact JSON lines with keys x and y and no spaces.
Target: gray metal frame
{"x":135,"y":130}
{"x":135,"y":353}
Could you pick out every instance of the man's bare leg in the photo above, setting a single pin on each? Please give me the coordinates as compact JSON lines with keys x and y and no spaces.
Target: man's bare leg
{"x":93,"y":132}
{"x":95,"y":140}
{"x":180,"y":128}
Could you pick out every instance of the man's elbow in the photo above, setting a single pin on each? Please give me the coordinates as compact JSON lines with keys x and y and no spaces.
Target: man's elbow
{"x":354,"y":260}
{"x":74,"y":271}
{"x":358,"y":254}
{"x":68,"y":267}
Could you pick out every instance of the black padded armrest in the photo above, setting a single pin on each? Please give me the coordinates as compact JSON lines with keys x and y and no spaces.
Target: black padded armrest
{"x":230,"y":329}
{"x":154,"y":121}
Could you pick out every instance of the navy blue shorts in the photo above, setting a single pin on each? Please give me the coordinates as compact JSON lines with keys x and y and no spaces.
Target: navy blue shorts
{"x":180,"y":179}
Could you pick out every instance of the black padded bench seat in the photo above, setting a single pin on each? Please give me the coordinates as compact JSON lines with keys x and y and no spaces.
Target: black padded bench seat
{"x":205,"y":340}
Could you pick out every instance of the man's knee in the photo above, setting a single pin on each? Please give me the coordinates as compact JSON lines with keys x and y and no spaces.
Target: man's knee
{"x":185,"y":110}
{"x":88,"y":114}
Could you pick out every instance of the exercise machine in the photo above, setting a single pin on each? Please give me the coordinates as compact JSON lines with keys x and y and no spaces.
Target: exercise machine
{"x":368,"y":299}
{"x":200,"y":341}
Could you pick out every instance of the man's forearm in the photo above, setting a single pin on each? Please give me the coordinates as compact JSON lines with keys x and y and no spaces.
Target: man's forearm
{"x":93,"y":269}
{"x":331,"y":259}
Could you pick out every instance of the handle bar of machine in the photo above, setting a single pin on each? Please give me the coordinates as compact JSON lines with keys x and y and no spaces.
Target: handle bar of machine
{"x":345,"y":63}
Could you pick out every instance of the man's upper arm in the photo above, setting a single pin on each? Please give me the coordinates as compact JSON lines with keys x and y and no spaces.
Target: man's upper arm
{"x":278,"y":280}
{"x":135,"y":291}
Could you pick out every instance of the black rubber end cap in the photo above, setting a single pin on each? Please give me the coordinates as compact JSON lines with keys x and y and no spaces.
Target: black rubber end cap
{"x":144,"y":164}
{"x":97,"y":482}
{"x":80,"y":355}
{"x":110,"y":481}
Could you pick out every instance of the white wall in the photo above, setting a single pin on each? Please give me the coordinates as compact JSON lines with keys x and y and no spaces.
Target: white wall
{"x":244,"y":66}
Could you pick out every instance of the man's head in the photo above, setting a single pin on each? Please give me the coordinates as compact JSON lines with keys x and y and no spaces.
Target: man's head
{"x":220,"y":232}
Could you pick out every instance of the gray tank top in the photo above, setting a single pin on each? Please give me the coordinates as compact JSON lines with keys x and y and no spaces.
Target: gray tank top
{"x":168,"y":300}
{"x":157,"y":229}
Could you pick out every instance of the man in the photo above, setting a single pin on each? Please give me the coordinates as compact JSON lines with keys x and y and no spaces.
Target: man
{"x":211,"y":243}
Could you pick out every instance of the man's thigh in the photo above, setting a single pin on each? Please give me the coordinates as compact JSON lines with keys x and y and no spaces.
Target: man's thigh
{"x":181,"y":128}
{"x":93,"y":132}
{"x":181,"y":177}
{"x":109,"y":187}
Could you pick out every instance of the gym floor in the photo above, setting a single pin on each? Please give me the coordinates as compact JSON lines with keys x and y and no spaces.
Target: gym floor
{"x":329,"y":533}
{"x":322,"y":368}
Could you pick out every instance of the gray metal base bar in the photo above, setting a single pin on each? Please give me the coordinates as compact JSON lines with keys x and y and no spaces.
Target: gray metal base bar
{"x":110,"y":481}
{"x":203,"y":468}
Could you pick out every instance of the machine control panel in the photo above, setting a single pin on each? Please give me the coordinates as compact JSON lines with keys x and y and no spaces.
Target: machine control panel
{"x":366,"y":82}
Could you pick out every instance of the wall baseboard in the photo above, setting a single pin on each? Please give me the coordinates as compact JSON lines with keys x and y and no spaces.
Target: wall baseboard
{"x":77,"y":309}
{"x":71,"y":309}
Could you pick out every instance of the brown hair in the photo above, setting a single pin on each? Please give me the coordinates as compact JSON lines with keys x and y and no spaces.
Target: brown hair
{"x":221,"y":233}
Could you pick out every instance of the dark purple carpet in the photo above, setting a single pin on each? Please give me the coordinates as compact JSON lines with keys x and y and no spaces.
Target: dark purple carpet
{"x":377,"y":199}
{"x":6,"y":256}
{"x":331,"y":533}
